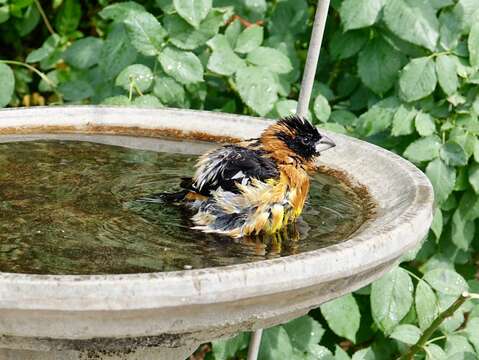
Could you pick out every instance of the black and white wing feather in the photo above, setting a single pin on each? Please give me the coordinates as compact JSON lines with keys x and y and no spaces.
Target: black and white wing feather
{"x":229,"y":165}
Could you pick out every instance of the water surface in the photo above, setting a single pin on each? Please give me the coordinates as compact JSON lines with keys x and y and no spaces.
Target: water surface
{"x":68,"y":207}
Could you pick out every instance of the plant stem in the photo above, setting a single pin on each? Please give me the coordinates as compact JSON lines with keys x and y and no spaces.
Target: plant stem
{"x":413,"y":275}
{"x":409,"y":355}
{"x":36,"y":71}
{"x":44,"y":17}
{"x":436,"y":339}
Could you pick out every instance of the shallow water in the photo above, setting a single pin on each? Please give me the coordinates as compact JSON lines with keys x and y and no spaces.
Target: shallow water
{"x":68,"y":207}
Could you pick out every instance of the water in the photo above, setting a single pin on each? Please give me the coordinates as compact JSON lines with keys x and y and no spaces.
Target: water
{"x":68,"y":207}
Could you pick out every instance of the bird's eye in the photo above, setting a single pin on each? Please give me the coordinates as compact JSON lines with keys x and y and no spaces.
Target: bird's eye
{"x":305,"y":141}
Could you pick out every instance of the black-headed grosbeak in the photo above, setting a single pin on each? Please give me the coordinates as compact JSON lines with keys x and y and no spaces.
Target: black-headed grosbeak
{"x":256,"y":186}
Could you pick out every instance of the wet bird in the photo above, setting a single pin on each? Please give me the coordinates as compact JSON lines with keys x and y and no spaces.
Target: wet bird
{"x":257,"y":186}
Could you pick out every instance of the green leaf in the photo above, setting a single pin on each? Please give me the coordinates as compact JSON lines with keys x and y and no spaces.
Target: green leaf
{"x":316,"y":352}
{"x":169,"y":91}
{"x":29,"y":21}
{"x":183,"y":66}
{"x":447,"y":74}
{"x":406,"y":333}
{"x":472,"y":331}
{"x":462,"y":230}
{"x":474,"y":177}
{"x":345,"y":45}
{"x":275,"y":344}
{"x":378,"y":65}
{"x":117,"y":52}
{"x":7,"y":79}
{"x":427,"y":307}
{"x":469,"y":205}
{"x":286,"y":107}
{"x":379,"y":117}
{"x":439,"y":4}
{"x":403,"y":121}
{"x":453,"y":154}
{"x":321,"y":107}
{"x":414,"y":21}
{"x":334,"y":312}
{"x":391,"y":299}
{"x":423,"y":149}
{"x":232,"y":32}
{"x":442,"y":178}
{"x":357,"y":14}
{"x":249,"y":40}
{"x":120,"y":100}
{"x":417,"y":79}
{"x":76,"y":90}
{"x":458,"y":344}
{"x":119,"y":11}
{"x":227,"y":349}
{"x":337,"y":128}
{"x":193,"y":11}
{"x":446,"y":281}
{"x":186,"y":37}
{"x":272,"y":59}
{"x":145,"y":32}
{"x":437,"y":223}
{"x":434,"y":352}
{"x":450,"y":29}
{"x":68,"y":17}
{"x":466,"y":11}
{"x":461,"y":180}
{"x":473,"y":44}
{"x":4,"y":13}
{"x":364,"y":354}
{"x":147,"y":101}
{"x":166,"y":6}
{"x":223,"y":60}
{"x":47,"y":49}
{"x":137,"y":74}
{"x":257,"y":88}
{"x":463,"y":138}
{"x":83,"y":53}
{"x":425,"y":125}
{"x":304,"y":332}
{"x":289,"y":17}
{"x":340,"y":354}
{"x":343,"y":117}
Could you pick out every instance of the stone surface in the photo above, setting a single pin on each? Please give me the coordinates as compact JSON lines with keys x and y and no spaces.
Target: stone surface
{"x":52,"y":317}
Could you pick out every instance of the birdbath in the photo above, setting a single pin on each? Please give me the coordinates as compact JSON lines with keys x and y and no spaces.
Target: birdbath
{"x":167,"y":315}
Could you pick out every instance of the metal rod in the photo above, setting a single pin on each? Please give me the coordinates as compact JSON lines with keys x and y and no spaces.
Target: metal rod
{"x":254,"y":344}
{"x":302,"y":109}
{"x":312,"y":58}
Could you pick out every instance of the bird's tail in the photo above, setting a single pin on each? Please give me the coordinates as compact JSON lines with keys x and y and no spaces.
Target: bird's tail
{"x":175,"y":197}
{"x":162,"y":198}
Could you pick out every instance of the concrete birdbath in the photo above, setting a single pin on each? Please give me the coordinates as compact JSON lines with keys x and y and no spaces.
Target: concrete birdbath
{"x":166,"y":315}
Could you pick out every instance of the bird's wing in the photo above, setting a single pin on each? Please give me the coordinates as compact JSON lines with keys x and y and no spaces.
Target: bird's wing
{"x":232,"y":164}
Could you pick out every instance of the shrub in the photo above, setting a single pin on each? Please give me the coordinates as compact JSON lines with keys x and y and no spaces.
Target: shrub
{"x":399,"y":73}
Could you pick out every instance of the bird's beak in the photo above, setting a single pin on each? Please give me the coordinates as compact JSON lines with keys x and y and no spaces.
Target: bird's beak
{"x":324,"y":144}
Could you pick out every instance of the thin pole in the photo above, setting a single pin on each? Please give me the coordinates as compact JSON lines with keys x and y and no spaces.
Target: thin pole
{"x":312,"y":58}
{"x":254,"y":344}
{"x":302,"y":110}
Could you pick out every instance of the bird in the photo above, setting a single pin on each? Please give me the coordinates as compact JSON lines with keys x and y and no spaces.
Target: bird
{"x":257,"y":186}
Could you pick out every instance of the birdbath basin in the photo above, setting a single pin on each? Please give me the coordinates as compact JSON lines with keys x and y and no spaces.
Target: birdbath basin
{"x":167,"y":315}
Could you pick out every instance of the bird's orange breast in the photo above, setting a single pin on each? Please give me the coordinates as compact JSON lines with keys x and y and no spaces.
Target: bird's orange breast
{"x":298,"y":187}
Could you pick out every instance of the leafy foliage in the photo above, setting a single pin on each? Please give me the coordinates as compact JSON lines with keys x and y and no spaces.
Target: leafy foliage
{"x":402,"y":74}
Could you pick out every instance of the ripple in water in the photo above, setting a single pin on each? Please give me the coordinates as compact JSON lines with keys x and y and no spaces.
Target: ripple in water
{"x":68,"y":207}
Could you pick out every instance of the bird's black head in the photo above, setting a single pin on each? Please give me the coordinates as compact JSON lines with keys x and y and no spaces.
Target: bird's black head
{"x":302,"y":137}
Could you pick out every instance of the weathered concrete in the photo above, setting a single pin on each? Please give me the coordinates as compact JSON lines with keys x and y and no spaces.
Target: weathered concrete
{"x":147,"y":315}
